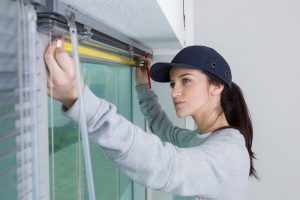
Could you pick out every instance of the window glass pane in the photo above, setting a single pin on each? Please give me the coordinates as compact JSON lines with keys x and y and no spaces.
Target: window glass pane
{"x":63,"y":155}
{"x":112,"y":82}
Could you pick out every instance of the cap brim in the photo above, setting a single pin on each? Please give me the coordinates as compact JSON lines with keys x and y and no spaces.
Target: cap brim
{"x":160,"y":72}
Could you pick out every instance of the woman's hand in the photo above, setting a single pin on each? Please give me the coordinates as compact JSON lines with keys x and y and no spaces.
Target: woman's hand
{"x":61,"y":74}
{"x":141,"y":74}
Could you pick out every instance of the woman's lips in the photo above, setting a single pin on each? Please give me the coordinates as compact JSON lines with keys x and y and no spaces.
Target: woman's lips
{"x":178,"y":104}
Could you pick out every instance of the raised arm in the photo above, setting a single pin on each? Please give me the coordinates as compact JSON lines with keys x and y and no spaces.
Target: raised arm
{"x":202,"y":170}
{"x":158,"y":121}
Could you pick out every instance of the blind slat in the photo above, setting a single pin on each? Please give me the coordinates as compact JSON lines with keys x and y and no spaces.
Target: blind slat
{"x":9,"y":80}
{"x":9,"y":98}
{"x":8,"y":62}
{"x":12,"y":116}
{"x":6,"y":146}
{"x":8,"y":135}
{"x":24,"y":172}
{"x":7,"y":128}
{"x":8,"y":42}
{"x":7,"y":161}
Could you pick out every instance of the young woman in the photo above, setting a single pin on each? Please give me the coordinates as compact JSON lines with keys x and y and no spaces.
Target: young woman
{"x":212,"y":162}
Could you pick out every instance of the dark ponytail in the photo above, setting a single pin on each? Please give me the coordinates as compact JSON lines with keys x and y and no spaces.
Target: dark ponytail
{"x":237,"y":115}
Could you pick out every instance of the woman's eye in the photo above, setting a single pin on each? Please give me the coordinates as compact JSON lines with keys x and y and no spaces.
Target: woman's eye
{"x":172,"y":85}
{"x":186,"y":81}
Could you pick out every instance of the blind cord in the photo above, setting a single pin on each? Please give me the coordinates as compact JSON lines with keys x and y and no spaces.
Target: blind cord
{"x":31,"y":68}
{"x":21,"y":95}
{"x":52,"y":128}
{"x":82,"y":119}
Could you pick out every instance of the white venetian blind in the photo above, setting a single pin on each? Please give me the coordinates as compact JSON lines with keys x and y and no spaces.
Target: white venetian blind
{"x":17,"y":98}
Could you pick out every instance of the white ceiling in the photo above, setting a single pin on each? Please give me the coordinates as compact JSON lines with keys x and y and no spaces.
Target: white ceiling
{"x":142,"y":21}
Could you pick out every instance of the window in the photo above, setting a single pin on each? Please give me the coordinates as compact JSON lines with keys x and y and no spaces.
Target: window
{"x":112,"y":82}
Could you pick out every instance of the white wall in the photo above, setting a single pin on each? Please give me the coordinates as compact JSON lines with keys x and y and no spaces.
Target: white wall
{"x":261,"y":42}
{"x":173,"y":10}
{"x":189,"y":22}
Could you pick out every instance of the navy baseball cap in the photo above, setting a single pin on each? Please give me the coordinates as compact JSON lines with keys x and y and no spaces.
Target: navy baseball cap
{"x":195,"y":57}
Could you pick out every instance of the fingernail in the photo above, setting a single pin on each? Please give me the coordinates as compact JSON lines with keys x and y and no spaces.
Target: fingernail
{"x":58,"y":43}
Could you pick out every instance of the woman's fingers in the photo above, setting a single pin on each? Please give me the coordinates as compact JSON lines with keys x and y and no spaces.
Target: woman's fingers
{"x":62,"y":57}
{"x":141,"y":72}
{"x":52,"y":66}
{"x":61,"y":73}
{"x":60,"y":42}
{"x":141,"y":76}
{"x":65,"y":62}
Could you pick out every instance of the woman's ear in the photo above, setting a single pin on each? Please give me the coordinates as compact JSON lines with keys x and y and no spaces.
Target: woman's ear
{"x":216,"y":89}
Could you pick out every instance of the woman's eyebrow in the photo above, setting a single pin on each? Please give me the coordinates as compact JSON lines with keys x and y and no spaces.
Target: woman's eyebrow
{"x":185,"y":74}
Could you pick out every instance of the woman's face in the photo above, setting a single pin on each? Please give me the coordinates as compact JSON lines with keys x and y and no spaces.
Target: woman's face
{"x":190,"y":91}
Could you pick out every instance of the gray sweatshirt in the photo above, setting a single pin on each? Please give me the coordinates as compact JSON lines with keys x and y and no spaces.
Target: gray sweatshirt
{"x":175,"y":160}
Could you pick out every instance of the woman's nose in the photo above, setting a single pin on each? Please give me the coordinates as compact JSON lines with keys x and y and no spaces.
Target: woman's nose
{"x":176,"y":92}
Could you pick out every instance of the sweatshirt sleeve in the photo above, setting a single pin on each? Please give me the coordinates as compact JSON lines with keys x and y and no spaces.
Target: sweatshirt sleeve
{"x":200,"y":170}
{"x":158,"y":121}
